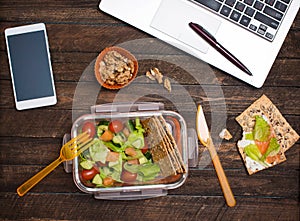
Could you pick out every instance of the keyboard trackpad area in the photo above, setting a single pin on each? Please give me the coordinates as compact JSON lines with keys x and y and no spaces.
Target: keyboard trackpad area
{"x":173,"y":16}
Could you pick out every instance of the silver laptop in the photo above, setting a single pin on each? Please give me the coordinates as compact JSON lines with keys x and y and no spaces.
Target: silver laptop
{"x":252,"y":30}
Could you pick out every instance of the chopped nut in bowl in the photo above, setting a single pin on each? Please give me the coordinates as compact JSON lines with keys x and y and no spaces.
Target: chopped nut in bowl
{"x":115,"y":67}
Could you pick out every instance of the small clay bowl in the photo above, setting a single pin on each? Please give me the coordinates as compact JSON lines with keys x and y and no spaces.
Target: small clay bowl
{"x":122,"y":52}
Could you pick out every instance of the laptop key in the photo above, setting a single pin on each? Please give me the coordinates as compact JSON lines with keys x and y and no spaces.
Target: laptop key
{"x":273,"y":13}
{"x":235,"y":15}
{"x":280,"y":6}
{"x":286,"y":1}
{"x":249,"y":2}
{"x":225,"y":10}
{"x":263,"y":27}
{"x":270,"y":2}
{"x":266,"y":20}
{"x":258,"y":5}
{"x":239,"y":6}
{"x":253,"y":27}
{"x":245,"y":21}
{"x":212,"y":4}
{"x":260,"y":31}
{"x":269,"y":36}
{"x":230,"y":2}
{"x":249,"y":11}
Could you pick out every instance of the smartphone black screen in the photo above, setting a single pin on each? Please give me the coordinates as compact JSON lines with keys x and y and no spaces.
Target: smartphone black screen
{"x":30,"y":65}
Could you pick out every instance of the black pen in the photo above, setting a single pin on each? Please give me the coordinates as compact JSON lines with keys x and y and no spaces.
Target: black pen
{"x":213,"y":42}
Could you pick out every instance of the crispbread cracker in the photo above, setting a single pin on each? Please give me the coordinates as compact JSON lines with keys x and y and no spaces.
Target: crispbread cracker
{"x":284,"y":133}
{"x":158,"y":150}
{"x":172,"y":144}
{"x":163,"y":146}
{"x":166,"y":145}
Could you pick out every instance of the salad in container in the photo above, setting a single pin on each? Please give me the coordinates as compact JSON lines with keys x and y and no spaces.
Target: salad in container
{"x":135,"y":154}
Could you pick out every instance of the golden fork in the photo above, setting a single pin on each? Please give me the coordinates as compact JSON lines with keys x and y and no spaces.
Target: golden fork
{"x":69,"y":151}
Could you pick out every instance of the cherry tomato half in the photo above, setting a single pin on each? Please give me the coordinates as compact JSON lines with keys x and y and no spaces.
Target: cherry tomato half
{"x":145,"y":148}
{"x":89,"y":174}
{"x":115,"y":126}
{"x":89,"y":127}
{"x":128,"y":177}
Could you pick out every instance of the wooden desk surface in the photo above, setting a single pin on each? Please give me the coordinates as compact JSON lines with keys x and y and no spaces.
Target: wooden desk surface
{"x":31,"y":139}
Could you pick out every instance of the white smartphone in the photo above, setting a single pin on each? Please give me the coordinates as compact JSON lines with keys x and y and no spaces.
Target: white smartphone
{"x":30,"y":66}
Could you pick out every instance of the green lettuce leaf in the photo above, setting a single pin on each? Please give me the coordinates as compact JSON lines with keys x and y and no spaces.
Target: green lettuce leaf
{"x":136,"y":139}
{"x":146,"y":171}
{"x":261,"y":130}
{"x":98,"y":151}
{"x":149,"y":170}
{"x":253,"y":152}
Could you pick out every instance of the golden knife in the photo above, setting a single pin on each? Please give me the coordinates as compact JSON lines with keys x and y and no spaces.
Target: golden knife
{"x":205,"y":139}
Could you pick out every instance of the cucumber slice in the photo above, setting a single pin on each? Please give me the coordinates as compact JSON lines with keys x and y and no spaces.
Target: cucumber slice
{"x":97,"y":180}
{"x":143,"y":160}
{"x":87,"y":164}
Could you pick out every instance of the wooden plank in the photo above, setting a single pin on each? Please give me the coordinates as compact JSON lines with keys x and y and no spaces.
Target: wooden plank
{"x":70,"y":95}
{"x":54,"y":11}
{"x":84,"y":38}
{"x":35,"y":123}
{"x":52,"y":14}
{"x":66,"y":207}
{"x":54,"y":123}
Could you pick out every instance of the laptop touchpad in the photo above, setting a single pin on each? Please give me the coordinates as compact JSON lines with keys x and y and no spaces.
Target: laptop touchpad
{"x":173,"y":16}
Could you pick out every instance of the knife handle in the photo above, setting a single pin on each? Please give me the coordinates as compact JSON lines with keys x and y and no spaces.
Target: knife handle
{"x":230,"y":200}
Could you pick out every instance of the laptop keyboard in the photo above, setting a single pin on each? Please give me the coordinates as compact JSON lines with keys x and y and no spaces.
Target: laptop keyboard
{"x":262,"y":17}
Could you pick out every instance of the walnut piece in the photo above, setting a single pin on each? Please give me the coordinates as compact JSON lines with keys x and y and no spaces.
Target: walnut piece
{"x":155,"y":74}
{"x":167,"y":84}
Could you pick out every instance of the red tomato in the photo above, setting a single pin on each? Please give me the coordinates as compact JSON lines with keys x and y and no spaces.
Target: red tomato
{"x":89,"y":127}
{"x":89,"y":174}
{"x":145,"y":148}
{"x":128,"y":177}
{"x":115,"y":126}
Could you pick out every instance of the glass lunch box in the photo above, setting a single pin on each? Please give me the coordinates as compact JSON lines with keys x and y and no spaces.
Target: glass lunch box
{"x":170,"y":150}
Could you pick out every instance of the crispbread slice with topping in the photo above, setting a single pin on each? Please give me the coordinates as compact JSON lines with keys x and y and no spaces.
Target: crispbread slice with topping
{"x":284,"y":133}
